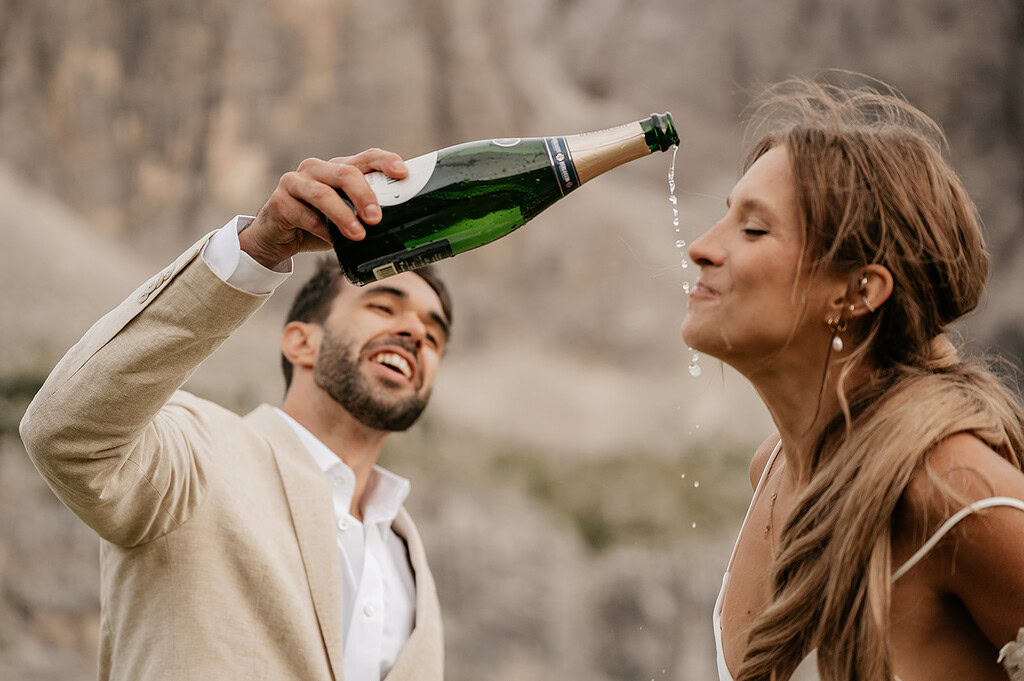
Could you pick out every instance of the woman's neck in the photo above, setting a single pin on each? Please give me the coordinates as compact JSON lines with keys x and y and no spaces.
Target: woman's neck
{"x":802,"y":404}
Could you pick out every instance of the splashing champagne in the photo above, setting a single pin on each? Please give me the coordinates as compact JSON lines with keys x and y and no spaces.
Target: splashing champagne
{"x":465,"y":196}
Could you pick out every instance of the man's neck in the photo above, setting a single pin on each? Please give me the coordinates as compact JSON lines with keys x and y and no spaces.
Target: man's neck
{"x":356,"y":445}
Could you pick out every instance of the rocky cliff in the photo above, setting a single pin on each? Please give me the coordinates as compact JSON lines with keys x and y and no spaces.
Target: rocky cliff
{"x":548,"y":475}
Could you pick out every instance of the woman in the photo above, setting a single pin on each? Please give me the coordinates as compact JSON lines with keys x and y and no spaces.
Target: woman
{"x":847,"y":248}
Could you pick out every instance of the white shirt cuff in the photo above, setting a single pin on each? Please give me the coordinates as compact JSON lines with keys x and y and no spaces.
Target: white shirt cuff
{"x":236,"y":267}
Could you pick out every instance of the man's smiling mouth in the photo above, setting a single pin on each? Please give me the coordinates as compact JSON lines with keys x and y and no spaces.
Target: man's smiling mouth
{"x":393,"y":361}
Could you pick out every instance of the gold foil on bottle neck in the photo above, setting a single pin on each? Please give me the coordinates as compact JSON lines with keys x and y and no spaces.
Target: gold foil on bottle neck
{"x":597,"y":152}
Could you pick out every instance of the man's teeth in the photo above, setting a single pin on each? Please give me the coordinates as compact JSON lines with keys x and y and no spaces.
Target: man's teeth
{"x":395,"y":361}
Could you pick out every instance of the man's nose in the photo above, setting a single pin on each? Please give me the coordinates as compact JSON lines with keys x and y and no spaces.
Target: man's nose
{"x":413,"y":328}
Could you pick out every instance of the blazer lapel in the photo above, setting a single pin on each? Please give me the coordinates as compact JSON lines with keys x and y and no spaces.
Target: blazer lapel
{"x":308,"y":496}
{"x":422,"y":659}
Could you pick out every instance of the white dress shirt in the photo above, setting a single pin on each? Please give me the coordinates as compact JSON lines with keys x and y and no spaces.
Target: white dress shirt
{"x":378,"y":588}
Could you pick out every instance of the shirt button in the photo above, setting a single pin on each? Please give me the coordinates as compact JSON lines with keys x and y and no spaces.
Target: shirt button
{"x":368,"y":611}
{"x":343,"y":524}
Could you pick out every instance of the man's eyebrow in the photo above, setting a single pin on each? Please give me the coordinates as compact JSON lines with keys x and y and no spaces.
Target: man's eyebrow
{"x":387,"y":290}
{"x":399,"y":293}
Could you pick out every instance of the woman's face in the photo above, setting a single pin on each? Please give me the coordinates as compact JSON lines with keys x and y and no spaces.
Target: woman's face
{"x":745,"y":308}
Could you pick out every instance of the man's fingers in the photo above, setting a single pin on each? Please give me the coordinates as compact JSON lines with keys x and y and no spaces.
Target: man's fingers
{"x":315,"y":239}
{"x":297,"y":215}
{"x":320,"y":197}
{"x":351,"y":181}
{"x":387,"y":162}
{"x":316,"y":184}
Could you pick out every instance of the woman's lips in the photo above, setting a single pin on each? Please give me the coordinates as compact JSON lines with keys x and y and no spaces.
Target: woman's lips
{"x":702,"y":290}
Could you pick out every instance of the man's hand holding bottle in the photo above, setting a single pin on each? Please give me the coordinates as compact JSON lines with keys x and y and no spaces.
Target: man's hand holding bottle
{"x":293,"y":219}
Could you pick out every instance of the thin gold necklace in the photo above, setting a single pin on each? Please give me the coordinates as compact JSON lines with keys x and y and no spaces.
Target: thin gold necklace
{"x":771,"y":518}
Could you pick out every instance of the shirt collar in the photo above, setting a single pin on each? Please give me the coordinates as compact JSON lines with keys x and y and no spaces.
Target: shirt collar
{"x":384,"y":493}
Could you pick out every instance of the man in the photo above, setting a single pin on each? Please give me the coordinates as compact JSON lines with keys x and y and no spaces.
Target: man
{"x":270,"y":546}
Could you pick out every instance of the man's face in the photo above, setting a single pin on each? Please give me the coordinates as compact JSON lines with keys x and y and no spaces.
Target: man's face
{"x":380,"y":350}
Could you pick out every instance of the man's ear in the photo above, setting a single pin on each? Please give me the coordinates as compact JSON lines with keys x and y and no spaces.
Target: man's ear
{"x":300,"y":343}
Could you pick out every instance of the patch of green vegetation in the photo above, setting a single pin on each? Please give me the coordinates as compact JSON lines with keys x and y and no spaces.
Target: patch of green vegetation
{"x":635,"y":497}
{"x":16,"y":391}
{"x":597,"y":532}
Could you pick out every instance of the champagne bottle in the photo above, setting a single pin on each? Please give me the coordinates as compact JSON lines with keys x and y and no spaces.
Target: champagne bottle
{"x":468,"y":195}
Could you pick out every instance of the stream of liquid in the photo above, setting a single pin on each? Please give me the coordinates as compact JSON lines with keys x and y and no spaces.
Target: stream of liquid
{"x":684,"y":262}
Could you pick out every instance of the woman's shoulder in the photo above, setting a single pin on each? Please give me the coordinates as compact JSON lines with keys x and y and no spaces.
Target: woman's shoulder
{"x":965,"y":508}
{"x":761,"y":458}
{"x":960,"y":470}
{"x":970,"y":497}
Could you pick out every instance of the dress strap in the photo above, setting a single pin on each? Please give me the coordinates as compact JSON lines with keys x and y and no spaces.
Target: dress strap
{"x":950,"y":524}
{"x":753,"y":500}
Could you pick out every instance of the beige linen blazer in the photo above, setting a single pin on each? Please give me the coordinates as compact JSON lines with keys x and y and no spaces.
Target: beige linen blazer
{"x":218,"y":555}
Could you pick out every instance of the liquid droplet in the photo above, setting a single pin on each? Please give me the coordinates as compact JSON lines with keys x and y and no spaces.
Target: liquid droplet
{"x":673,"y":200}
{"x":680,"y":244}
{"x":695,"y":358}
{"x":675,"y":222}
{"x":684,"y":264}
{"x":693,"y":526}
{"x":694,"y":370}
{"x":683,"y":476}
{"x":696,"y":483}
{"x":686,"y":287}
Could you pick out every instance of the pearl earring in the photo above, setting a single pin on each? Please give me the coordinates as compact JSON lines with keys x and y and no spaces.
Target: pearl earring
{"x":836,"y":325}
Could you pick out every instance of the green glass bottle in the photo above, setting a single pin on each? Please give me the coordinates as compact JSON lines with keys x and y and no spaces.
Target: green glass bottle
{"x":468,"y":195}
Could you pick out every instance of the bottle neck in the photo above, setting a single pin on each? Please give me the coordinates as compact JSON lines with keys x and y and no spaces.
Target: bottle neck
{"x":594,"y":153}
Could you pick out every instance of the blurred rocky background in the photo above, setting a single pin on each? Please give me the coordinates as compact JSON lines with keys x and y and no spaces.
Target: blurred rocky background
{"x":577,"y":489}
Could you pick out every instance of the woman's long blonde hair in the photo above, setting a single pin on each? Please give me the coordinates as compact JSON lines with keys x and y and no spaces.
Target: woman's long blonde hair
{"x":873,"y":187}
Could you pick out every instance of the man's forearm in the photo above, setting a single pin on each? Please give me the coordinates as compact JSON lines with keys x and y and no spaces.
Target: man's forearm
{"x":95,"y":412}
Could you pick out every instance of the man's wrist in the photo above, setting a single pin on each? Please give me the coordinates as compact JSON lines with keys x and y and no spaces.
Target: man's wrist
{"x":236,"y":267}
{"x":250,"y":245}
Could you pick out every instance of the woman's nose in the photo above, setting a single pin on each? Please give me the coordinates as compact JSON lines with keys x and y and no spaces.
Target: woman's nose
{"x":703,"y":250}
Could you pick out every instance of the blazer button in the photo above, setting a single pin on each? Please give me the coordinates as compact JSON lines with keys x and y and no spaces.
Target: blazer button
{"x":146,"y":292}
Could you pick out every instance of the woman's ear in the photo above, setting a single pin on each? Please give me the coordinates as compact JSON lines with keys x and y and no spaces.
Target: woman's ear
{"x":871,"y":287}
{"x":300,"y":343}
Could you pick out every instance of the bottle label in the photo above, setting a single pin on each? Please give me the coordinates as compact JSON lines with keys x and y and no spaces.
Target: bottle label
{"x":562,"y":164}
{"x":391,"y":192}
{"x":410,"y":260}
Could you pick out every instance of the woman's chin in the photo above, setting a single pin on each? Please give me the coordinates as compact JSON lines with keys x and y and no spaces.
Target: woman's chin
{"x":691,"y":336}
{"x":697,"y":339}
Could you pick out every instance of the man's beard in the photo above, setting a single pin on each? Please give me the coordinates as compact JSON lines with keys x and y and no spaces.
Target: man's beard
{"x":337,"y":373}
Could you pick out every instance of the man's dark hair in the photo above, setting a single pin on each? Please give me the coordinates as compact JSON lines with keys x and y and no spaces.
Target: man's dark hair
{"x":312,"y":304}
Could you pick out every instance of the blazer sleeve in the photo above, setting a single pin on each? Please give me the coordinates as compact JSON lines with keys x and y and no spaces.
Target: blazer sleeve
{"x":101,"y":431}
